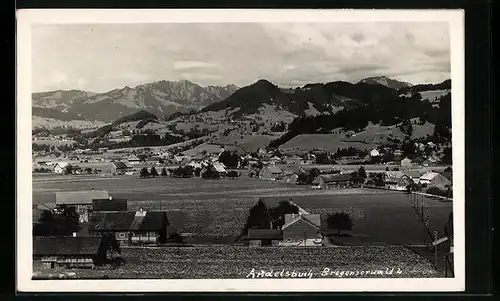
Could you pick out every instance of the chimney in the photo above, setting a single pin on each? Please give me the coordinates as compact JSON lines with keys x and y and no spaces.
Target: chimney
{"x":74,"y":234}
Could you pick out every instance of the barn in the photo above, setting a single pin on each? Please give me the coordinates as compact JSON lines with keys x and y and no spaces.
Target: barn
{"x":332,"y":181}
{"x":264,"y":237}
{"x":436,"y":179}
{"x":302,"y":230}
{"x":132,"y":228}
{"x":69,"y":252}
{"x":270,"y":172}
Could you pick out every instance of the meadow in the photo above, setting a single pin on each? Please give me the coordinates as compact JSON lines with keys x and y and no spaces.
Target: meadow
{"x":225,"y":262}
{"x":214,"y":211}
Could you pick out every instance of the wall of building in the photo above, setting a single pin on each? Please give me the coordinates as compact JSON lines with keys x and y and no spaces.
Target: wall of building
{"x":300,"y":230}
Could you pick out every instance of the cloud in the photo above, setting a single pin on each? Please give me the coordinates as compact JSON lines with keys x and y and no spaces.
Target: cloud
{"x":102,"y":57}
{"x":181,"y":65}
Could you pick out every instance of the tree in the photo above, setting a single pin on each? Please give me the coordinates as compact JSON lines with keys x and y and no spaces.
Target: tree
{"x":406,"y":127}
{"x":153,"y":172}
{"x":258,"y":218}
{"x":68,"y":169}
{"x":448,"y":169}
{"x":210,"y":173}
{"x":229,"y":159}
{"x":447,"y":156}
{"x":144,"y":173}
{"x":340,"y":221}
{"x":232,"y":174}
{"x":277,"y":214}
{"x":63,"y":221}
{"x":362,"y":172}
{"x":163,"y":172}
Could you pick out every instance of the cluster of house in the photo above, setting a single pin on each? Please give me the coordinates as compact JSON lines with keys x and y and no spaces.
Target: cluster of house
{"x":341,"y":178}
{"x":399,"y":180}
{"x":100,"y":216}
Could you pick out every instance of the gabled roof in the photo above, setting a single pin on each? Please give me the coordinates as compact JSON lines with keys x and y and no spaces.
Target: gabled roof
{"x":59,"y":245}
{"x":128,"y":221}
{"x":428,"y":176}
{"x":413,"y":173}
{"x":273,"y":169}
{"x":120,"y":165}
{"x":328,"y":178}
{"x":292,"y":169}
{"x":62,"y":164}
{"x":312,"y":219}
{"x":394,"y":175}
{"x":80,"y":197}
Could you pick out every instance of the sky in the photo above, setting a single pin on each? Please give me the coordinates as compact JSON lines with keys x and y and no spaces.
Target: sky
{"x":102,"y":57}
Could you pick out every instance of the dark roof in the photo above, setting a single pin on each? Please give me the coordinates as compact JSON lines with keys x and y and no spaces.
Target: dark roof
{"x":128,"y":221}
{"x":111,"y":221}
{"x":58,"y":245}
{"x":256,"y":234}
{"x":80,"y":197}
{"x":120,"y":165}
{"x":334,"y":178}
{"x":109,"y":205}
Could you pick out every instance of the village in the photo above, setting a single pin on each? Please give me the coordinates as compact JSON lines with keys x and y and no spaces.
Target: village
{"x":105,"y":224}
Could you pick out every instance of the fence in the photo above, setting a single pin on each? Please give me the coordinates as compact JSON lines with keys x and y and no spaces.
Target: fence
{"x":422,"y":209}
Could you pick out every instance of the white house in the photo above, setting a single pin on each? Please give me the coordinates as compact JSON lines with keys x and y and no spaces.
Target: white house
{"x":406,"y":162}
{"x":432,"y":178}
{"x":374,"y":153}
{"x":60,"y":167}
{"x":219,"y":167}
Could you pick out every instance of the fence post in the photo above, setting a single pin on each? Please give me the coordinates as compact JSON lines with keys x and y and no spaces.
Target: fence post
{"x":435,"y":249}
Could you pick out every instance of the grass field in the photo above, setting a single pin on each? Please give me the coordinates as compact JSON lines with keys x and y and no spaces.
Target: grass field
{"x":216,"y":210}
{"x":379,"y":218}
{"x":223,"y":262}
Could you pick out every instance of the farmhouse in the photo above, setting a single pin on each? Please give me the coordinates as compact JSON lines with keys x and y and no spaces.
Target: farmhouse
{"x":293,"y":160}
{"x":396,"y":180}
{"x":69,"y":252}
{"x":406,"y":162}
{"x":275,"y":160}
{"x":121,"y":167}
{"x":133,"y":159}
{"x":264,"y":237}
{"x":310,"y":159}
{"x":430,"y":162}
{"x":60,"y":167}
{"x":414,"y":175}
{"x":432,"y":178}
{"x":131,"y":228}
{"x":326,"y":181}
{"x":270,"y":172}
{"x":302,"y":230}
{"x":82,"y":200}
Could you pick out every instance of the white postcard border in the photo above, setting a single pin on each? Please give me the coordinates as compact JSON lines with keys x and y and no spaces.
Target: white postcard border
{"x":26,"y":18}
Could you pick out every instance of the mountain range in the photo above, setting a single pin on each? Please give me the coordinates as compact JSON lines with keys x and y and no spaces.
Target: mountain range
{"x":174,"y":98}
{"x":162,"y":98}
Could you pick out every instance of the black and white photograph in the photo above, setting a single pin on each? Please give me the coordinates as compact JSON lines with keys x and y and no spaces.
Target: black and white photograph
{"x":242,"y":150}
